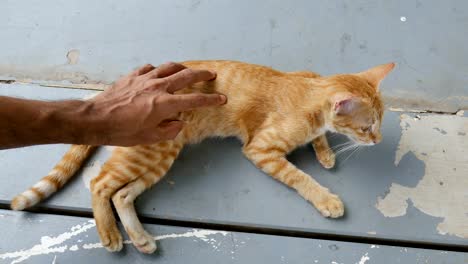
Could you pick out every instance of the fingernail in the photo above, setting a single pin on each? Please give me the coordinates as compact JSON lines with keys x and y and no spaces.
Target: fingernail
{"x":223,"y":98}
{"x":214,"y":75}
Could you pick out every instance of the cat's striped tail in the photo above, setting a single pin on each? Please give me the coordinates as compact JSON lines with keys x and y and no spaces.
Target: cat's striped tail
{"x":60,"y":174}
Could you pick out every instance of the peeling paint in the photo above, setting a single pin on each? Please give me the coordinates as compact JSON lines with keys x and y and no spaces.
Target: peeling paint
{"x":73,"y":56}
{"x":57,"y":244}
{"x":443,"y":190}
{"x":52,"y":73}
{"x":450,"y":104}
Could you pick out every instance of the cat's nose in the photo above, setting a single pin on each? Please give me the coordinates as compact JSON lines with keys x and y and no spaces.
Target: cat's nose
{"x":376,"y":140}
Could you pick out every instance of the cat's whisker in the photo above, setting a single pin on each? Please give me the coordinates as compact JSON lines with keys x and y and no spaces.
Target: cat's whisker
{"x":342,"y":145}
{"x":354,"y":151}
{"x":348,"y":147}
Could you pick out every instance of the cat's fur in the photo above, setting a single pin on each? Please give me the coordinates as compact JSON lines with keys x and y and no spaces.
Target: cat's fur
{"x":271,"y":112}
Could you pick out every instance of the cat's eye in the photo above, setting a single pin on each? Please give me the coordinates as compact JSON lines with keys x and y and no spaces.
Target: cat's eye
{"x":366,"y":129}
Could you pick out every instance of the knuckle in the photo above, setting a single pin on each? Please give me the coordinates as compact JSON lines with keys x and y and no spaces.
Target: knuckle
{"x":155,"y":83}
{"x":170,"y":64}
{"x":188,"y":73}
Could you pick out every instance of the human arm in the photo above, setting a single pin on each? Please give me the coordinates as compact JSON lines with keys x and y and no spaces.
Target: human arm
{"x":140,"y":108}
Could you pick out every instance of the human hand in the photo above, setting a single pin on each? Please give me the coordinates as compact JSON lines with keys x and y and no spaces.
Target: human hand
{"x":141,"y":108}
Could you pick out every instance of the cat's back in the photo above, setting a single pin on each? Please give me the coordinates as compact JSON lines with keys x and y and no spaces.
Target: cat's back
{"x":235,"y":78}
{"x":252,"y":92}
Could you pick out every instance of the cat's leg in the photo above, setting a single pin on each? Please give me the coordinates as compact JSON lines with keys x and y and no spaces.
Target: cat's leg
{"x":125,"y":197}
{"x":267,"y":151}
{"x":123,"y":166}
{"x":324,"y":153}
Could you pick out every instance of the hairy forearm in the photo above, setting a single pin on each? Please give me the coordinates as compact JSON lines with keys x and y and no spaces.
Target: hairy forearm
{"x":30,"y":122}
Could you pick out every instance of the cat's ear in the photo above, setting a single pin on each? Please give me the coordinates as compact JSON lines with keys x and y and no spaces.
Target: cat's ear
{"x":345,"y":104}
{"x":376,"y":74}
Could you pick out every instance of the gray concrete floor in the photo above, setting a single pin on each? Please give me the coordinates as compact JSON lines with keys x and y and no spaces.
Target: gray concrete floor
{"x":405,"y":198}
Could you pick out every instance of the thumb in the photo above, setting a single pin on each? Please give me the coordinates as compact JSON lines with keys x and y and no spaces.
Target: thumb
{"x":169,"y":129}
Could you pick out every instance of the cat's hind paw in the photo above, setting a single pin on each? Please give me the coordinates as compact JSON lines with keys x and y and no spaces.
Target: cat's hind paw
{"x":144,"y":242}
{"x":112,"y":240}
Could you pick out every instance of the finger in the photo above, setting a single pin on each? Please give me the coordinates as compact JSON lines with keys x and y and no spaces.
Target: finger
{"x":184,"y":102}
{"x":169,"y":129}
{"x":142,"y":70}
{"x":187,"y":77}
{"x":165,"y":70}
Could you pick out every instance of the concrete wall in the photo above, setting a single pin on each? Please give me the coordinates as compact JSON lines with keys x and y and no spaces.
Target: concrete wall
{"x":104,"y":39}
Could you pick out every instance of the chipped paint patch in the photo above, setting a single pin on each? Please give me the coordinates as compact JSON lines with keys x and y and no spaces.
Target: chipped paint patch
{"x":73,"y":56}
{"x":446,"y":159}
{"x":89,"y":172}
{"x":56,"y":244}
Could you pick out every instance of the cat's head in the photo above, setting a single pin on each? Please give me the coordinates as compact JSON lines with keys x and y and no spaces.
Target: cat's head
{"x":356,"y":105}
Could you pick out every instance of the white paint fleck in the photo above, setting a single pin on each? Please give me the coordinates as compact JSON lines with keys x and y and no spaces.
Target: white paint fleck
{"x":48,"y":244}
{"x":446,"y":160}
{"x":90,"y":171}
{"x":371,"y":232}
{"x":196,"y":233}
{"x":74,"y":248}
{"x":403,"y":19}
{"x":364,"y":259}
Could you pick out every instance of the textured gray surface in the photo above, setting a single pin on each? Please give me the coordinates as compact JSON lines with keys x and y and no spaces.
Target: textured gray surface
{"x":427,"y":40}
{"x":213,"y":183}
{"x":61,"y":239}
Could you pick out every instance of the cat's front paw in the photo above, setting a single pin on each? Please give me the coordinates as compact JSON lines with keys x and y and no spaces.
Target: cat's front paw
{"x":330,"y":205}
{"x":143,"y":241}
{"x":327,"y":159}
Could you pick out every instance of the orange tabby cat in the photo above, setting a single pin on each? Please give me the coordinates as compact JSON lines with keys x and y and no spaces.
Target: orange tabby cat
{"x":271,"y":112}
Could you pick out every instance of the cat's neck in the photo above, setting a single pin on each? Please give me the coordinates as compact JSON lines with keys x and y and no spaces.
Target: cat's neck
{"x":321,"y":92}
